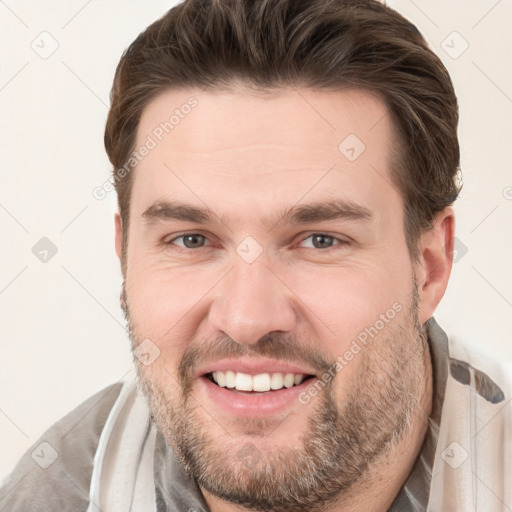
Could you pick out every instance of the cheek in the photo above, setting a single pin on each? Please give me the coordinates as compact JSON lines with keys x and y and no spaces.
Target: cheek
{"x":165,"y":302}
{"x":344,"y":301}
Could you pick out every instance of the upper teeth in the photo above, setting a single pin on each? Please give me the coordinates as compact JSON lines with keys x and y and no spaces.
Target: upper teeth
{"x":260,"y":382}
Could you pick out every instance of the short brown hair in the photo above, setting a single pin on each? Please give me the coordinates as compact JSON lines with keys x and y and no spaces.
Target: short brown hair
{"x":320,"y":44}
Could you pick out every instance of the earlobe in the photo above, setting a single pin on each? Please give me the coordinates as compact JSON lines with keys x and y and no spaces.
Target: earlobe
{"x":435,"y":262}
{"x":119,"y":235}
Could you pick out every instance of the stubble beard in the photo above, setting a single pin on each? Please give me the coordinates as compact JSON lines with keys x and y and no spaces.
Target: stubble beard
{"x":341,"y":444}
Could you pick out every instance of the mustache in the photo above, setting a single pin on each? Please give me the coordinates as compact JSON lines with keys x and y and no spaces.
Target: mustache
{"x":272,"y":345}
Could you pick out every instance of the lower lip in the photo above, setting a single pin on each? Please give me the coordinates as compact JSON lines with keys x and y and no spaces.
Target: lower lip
{"x":251,"y":405}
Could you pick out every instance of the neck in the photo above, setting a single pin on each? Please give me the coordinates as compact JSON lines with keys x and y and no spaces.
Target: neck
{"x":380,"y":486}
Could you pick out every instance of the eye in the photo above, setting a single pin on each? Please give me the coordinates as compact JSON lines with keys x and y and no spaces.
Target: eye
{"x":323,"y":241}
{"x":316,"y":241}
{"x":189,"y":241}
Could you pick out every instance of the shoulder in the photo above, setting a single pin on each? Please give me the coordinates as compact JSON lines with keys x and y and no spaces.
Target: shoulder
{"x":474,"y":439}
{"x":55,"y":472}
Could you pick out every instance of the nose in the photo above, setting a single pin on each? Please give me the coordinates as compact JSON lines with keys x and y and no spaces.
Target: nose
{"x":250,"y":302}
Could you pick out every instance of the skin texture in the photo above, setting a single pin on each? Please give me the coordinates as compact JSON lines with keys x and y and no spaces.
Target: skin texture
{"x":247,"y":158}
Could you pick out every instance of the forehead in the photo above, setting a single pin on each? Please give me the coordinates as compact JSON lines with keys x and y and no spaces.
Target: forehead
{"x":239,"y":147}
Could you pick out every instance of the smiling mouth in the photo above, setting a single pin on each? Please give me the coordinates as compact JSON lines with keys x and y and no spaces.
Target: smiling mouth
{"x":256,"y":384}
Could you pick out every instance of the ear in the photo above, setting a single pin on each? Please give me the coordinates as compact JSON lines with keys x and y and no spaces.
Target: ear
{"x":434,"y":263}
{"x":119,"y":235}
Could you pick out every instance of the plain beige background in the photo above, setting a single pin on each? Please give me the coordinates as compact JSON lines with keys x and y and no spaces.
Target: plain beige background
{"x":62,"y":330}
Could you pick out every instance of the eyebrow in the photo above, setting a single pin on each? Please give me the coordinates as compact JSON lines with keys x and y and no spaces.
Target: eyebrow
{"x":340,"y":209}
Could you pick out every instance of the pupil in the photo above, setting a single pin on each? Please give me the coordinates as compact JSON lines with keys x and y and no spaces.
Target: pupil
{"x":322,"y":241}
{"x":192,"y":241}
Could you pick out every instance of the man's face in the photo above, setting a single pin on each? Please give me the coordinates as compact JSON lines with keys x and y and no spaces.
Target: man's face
{"x":297,"y":268}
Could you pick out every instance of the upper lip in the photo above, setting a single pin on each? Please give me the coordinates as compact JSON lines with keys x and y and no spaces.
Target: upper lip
{"x":254,"y":366}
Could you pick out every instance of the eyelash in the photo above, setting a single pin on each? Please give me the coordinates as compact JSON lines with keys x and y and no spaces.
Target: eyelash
{"x":340,"y":242}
